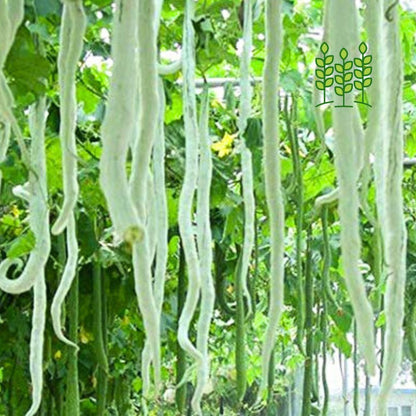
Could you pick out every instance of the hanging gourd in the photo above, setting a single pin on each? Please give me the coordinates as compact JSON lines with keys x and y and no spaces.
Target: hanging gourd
{"x":271,"y":160}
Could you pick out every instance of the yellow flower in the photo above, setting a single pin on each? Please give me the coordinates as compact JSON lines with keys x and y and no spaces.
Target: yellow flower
{"x":125,"y":321}
{"x":217,"y":103}
{"x":15,"y":211}
{"x":58,"y":355}
{"x":85,"y":336}
{"x":225,"y":146}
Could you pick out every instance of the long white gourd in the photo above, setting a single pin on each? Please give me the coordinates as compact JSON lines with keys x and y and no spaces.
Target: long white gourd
{"x":246,"y":159}
{"x":151,"y":211}
{"x":118,"y":124}
{"x":37,"y":121}
{"x":373,"y":22}
{"x":38,"y":221}
{"x":74,"y":23}
{"x":11,"y":16}
{"x":66,"y":281}
{"x":175,"y":66}
{"x":377,"y":123}
{"x":161,"y":226}
{"x":271,"y":161}
{"x":168,"y":69}
{"x":342,"y":17}
{"x":37,"y":341}
{"x":161,"y":202}
{"x":188,"y":189}
{"x":148,"y":104}
{"x":393,"y":226}
{"x":151,"y":242}
{"x":140,"y":181}
{"x":204,"y":240}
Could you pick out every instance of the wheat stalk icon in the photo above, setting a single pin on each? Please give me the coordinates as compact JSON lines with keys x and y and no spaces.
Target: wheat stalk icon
{"x":363,"y":72}
{"x":324,"y":72}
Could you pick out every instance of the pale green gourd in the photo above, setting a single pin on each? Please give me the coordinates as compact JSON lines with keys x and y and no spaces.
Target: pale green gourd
{"x":118,"y":124}
{"x":271,"y":160}
{"x":204,"y":240}
{"x":141,"y":181}
{"x":189,"y":186}
{"x":393,"y":225}
{"x":342,"y":17}
{"x":74,"y":23}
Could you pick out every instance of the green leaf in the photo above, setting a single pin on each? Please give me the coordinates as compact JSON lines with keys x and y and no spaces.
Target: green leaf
{"x":339,"y":79}
{"x":368,"y":82}
{"x":291,"y":81}
{"x":324,"y":48}
{"x":368,"y":71}
{"x":363,"y":47}
{"x":339,"y":91}
{"x":381,"y":320}
{"x":340,"y":340}
{"x":329,"y":59}
{"x":358,"y":62}
{"x":87,"y":98}
{"x":28,"y":71}
{"x":348,"y":65}
{"x":341,"y":317}
{"x":24,"y":244}
{"x":329,"y":82}
{"x":348,"y":76}
{"x":319,"y":85}
{"x":348,"y":88}
{"x":343,"y":53}
{"x":368,"y":59}
{"x":329,"y":71}
{"x":318,"y":177}
{"x":339,"y":68}
{"x":358,"y":73}
{"x":319,"y":62}
{"x":137,"y":384}
{"x":358,"y":85}
{"x":320,"y":74}
{"x":174,"y":110}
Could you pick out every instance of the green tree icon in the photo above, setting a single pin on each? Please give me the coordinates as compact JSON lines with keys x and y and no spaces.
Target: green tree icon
{"x":323,"y":72}
{"x":343,"y":80}
{"x":362,"y":74}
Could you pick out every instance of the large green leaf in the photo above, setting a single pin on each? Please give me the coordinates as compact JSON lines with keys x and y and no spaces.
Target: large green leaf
{"x":22,"y":245}
{"x":27,"y":69}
